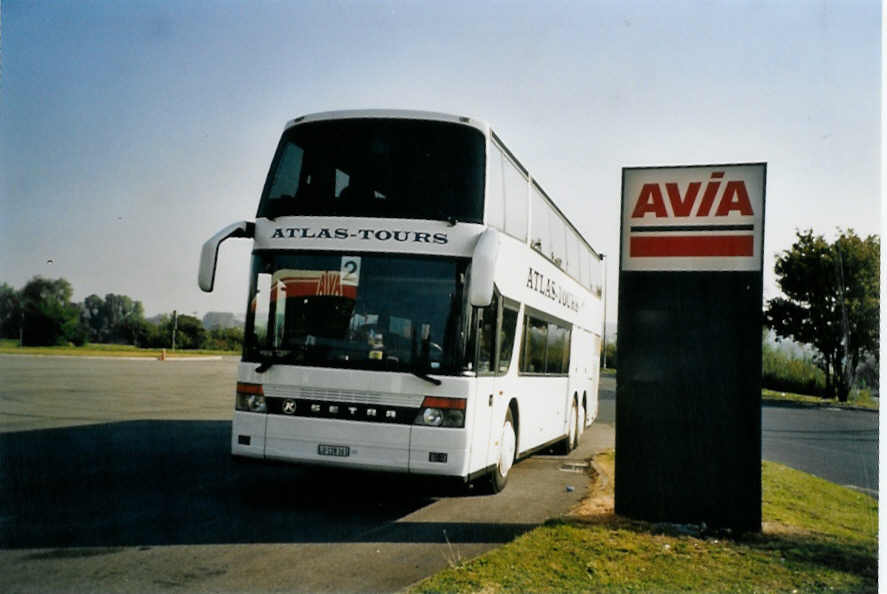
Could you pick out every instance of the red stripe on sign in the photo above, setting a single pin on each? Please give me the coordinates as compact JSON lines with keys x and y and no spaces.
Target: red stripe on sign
{"x":693,"y":246}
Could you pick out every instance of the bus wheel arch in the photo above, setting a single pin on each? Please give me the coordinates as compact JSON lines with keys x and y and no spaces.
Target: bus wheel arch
{"x":507,"y":449}
{"x":575,"y":426}
{"x":515,"y":417}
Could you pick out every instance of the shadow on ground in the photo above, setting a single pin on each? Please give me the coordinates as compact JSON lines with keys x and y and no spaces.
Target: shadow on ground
{"x":146,"y":483}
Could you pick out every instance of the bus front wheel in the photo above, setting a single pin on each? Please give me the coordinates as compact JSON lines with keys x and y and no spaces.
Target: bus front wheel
{"x":507,"y":449}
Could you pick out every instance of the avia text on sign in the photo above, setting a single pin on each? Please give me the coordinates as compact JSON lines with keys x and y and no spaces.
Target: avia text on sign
{"x":707,"y":217}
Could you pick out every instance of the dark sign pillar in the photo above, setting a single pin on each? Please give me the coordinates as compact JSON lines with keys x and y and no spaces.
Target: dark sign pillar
{"x":688,"y":404}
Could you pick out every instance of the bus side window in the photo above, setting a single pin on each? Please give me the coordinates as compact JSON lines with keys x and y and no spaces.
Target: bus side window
{"x":533,"y":352}
{"x":506,"y":338}
{"x":558,"y":356}
{"x":495,"y":201}
{"x":516,"y":198}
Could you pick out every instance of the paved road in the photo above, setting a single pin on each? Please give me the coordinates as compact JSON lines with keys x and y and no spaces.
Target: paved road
{"x":116,"y":477}
{"x":838,"y":445}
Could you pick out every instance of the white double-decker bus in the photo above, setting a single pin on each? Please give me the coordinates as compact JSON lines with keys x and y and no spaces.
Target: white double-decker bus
{"x":416,"y":303}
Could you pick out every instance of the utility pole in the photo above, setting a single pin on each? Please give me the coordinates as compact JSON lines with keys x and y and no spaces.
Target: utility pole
{"x":604,"y":304}
{"x":175,"y":327}
{"x":844,"y":361}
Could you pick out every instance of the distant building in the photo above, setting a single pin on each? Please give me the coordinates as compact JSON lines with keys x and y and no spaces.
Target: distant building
{"x":158,"y":319}
{"x":220,"y":319}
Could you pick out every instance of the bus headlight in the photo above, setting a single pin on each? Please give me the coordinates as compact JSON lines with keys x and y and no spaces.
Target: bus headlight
{"x":256,"y":403}
{"x":441,"y":412}
{"x":454,"y":418}
{"x":251,"y":398}
{"x":433,"y":417}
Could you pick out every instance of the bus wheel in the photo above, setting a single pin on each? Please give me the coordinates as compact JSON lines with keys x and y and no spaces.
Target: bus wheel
{"x":507,"y":448}
{"x":571,"y":441}
{"x":575,"y":431}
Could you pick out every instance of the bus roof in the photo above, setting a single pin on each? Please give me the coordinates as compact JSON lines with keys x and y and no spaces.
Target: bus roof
{"x":409,"y":114}
{"x":391,"y":113}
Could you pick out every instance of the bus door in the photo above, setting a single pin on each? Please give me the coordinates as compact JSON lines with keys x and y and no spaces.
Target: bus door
{"x":485,"y":420}
{"x":496,"y":329}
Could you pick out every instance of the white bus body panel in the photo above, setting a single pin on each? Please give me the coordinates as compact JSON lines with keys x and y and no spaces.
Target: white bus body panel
{"x":453,"y":442}
{"x":544,"y":402}
{"x":251,"y":425}
{"x":358,"y":234}
{"x":372,"y":445}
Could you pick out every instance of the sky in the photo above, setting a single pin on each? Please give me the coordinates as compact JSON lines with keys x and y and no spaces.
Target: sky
{"x":132,"y":132}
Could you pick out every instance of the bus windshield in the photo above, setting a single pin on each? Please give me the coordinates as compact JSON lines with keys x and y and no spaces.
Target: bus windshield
{"x":377,"y":167}
{"x":377,"y":312}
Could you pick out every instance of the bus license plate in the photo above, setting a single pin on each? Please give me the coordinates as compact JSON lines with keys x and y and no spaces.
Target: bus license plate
{"x":333,"y":450}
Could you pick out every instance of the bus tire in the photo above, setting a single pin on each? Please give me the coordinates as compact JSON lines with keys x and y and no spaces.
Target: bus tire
{"x":571,"y":440}
{"x":507,"y":454}
{"x":576,"y":431}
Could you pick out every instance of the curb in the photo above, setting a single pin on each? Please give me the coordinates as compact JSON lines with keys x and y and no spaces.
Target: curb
{"x":793,"y":404}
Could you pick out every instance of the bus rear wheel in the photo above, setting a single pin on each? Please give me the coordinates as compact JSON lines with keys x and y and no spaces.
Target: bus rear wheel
{"x":570,"y":441}
{"x":576,"y":429}
{"x":507,"y":450}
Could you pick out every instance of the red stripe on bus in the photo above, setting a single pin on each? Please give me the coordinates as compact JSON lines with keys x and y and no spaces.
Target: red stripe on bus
{"x":693,"y":246}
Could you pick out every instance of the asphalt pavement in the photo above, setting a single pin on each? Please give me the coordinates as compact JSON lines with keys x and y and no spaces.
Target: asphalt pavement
{"x":839,"y":445}
{"x":117,"y":478}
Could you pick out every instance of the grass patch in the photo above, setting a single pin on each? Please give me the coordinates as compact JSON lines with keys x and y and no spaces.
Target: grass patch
{"x":817,"y":537}
{"x":11,"y":347}
{"x":858,"y":398}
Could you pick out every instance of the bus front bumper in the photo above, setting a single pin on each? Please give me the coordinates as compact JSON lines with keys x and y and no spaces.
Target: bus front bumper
{"x":351,"y":444}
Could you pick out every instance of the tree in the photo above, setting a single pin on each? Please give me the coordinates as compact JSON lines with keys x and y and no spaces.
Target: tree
{"x":48,"y":316}
{"x":159,"y":333}
{"x":190,"y":332}
{"x":123,"y":317}
{"x":831,"y":301}
{"x":116,"y":318}
{"x":10,"y":312}
{"x":94,"y":318}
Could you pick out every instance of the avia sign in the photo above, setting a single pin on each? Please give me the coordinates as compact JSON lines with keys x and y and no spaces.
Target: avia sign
{"x":707,"y":217}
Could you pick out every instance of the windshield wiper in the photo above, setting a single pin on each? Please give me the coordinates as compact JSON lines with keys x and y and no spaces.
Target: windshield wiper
{"x":424,"y":376}
{"x":269,"y":361}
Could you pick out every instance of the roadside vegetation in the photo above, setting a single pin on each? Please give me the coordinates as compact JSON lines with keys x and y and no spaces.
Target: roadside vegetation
{"x":857,"y":399}
{"x":41,"y":314}
{"x":11,"y":347}
{"x":816,"y":537}
{"x":784,"y":372}
{"x":830,"y":301}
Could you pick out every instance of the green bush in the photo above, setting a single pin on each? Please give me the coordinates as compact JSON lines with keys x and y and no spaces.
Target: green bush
{"x":224,"y":339}
{"x":784,"y":373}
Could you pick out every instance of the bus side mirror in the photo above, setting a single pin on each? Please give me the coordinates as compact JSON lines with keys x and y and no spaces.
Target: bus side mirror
{"x":483,"y":269}
{"x":206,"y":275}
